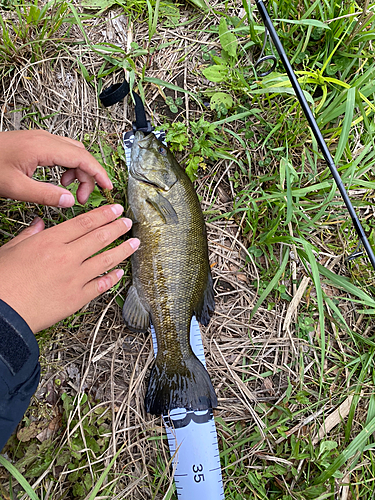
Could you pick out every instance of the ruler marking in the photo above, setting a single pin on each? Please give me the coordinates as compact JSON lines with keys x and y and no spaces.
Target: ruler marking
{"x":216,"y":468}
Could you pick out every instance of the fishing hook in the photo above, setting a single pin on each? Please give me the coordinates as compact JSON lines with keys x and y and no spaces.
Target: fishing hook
{"x":263,"y":59}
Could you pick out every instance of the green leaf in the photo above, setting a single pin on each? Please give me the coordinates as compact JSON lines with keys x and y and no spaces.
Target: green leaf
{"x":221,"y":98}
{"x":97,"y":4}
{"x":313,"y":492}
{"x":201,"y":4}
{"x":162,"y":83}
{"x":306,"y":22}
{"x":327,"y":446}
{"x":282,"y":90}
{"x":227,"y":39}
{"x":95,"y":199}
{"x":217,"y":73}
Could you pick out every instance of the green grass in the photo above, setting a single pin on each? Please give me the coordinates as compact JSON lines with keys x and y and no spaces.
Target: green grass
{"x":285,"y":204}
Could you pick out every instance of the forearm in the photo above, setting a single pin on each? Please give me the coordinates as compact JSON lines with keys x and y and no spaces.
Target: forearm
{"x":19,"y":369}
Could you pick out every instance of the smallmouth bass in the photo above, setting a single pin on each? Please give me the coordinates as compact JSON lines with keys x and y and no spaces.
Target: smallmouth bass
{"x":171,"y":275}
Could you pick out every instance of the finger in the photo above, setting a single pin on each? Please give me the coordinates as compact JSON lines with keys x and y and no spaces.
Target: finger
{"x":77,"y":227}
{"x":86,"y":186}
{"x":41,"y":192}
{"x":36,"y":226}
{"x":72,"y":141}
{"x":109,"y":259}
{"x":96,"y":240}
{"x":68,"y":177}
{"x":72,"y":156}
{"x":102,"y":284}
{"x":45,"y":149}
{"x":39,"y":133}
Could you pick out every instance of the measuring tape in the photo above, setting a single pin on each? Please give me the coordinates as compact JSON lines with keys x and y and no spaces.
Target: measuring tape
{"x":192,"y":440}
{"x":192,"y":435}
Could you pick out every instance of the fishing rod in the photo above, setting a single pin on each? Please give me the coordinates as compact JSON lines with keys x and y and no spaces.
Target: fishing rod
{"x":270,"y":29}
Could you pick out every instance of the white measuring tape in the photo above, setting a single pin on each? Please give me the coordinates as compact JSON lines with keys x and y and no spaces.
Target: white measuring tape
{"x":192,"y":436}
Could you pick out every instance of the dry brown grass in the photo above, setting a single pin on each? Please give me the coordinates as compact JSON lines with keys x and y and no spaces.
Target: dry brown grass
{"x":94,"y":352}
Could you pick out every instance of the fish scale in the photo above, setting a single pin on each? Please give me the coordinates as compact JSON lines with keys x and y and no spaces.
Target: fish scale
{"x":182,"y":277}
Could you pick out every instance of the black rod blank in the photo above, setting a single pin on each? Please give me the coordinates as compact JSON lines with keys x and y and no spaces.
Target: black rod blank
{"x":315,"y":129}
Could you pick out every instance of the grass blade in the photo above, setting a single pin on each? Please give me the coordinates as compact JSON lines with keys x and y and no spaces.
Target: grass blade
{"x":319,"y":297}
{"x":356,"y":446}
{"x":19,"y":477}
{"x":163,"y":83}
{"x":344,"y":136}
{"x":346,"y":285}
{"x":271,"y":285}
{"x":98,"y":485}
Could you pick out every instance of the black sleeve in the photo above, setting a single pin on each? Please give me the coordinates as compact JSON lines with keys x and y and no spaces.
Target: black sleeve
{"x":19,"y":369}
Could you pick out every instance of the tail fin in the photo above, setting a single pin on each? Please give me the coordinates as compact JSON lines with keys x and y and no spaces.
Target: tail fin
{"x":187,"y":386}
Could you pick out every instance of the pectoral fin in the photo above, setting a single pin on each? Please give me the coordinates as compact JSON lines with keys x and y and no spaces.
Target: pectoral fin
{"x":135,"y":315}
{"x":164,"y":208}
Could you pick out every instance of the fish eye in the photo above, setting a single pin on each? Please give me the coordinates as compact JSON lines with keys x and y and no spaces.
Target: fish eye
{"x":162,"y":151}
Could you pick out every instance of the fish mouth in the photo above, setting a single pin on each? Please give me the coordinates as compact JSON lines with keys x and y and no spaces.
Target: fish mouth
{"x":141,"y":140}
{"x":142,"y":143}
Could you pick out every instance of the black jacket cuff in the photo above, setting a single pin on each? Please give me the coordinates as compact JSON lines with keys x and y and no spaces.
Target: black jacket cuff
{"x":19,"y":369}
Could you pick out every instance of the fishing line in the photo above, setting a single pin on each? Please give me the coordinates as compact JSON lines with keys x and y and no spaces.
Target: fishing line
{"x":315,"y":129}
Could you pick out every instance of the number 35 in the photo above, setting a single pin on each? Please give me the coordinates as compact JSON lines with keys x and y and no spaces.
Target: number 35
{"x":198,"y":477}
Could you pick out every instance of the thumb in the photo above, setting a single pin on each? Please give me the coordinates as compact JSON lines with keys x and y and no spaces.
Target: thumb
{"x":43,"y":193}
{"x":35,"y":227}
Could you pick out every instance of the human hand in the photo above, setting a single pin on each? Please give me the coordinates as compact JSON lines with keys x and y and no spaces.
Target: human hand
{"x":47,"y":275}
{"x":22,"y":151}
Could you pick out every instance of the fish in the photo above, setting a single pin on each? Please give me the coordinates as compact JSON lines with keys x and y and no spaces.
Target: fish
{"x":171,"y":275}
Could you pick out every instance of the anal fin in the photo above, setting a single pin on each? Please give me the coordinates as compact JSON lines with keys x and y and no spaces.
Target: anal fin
{"x":135,"y":315}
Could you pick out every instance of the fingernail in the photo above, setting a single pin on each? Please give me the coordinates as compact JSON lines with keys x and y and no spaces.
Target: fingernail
{"x":117,"y":209}
{"x":128,"y":222}
{"x":105,"y":182}
{"x":35,"y":221}
{"x":120,"y":273}
{"x":66,"y":200}
{"x":134,"y":243}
